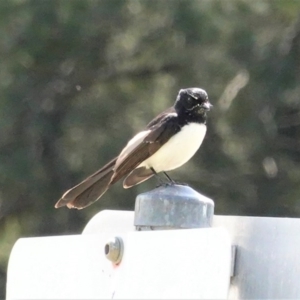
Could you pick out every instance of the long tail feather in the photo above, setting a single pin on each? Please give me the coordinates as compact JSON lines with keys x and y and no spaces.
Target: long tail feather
{"x":91,"y":194}
{"x":89,"y":190}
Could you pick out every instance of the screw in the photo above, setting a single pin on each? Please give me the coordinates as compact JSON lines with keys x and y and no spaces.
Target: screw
{"x":113,"y":250}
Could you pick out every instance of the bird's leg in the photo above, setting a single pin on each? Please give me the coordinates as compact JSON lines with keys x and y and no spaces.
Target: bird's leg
{"x":173,"y":181}
{"x":159,"y":180}
{"x":170,"y":179}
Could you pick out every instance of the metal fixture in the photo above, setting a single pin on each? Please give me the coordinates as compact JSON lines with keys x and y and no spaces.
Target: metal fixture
{"x":172,"y":207}
{"x":113,"y":250}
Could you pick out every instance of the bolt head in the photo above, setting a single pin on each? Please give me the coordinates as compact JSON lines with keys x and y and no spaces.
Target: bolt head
{"x":113,"y":250}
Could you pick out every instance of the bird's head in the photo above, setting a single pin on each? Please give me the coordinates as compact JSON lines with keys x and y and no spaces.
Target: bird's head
{"x":192,"y":100}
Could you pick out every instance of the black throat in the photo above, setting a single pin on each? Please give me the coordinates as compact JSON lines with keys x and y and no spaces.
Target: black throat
{"x":190,"y":116}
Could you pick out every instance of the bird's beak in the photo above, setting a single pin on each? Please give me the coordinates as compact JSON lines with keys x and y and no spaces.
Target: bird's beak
{"x":206,"y":105}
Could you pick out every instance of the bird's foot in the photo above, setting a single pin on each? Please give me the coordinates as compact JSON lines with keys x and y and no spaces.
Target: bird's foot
{"x":165,"y":184}
{"x":180,"y":183}
{"x":170,"y":183}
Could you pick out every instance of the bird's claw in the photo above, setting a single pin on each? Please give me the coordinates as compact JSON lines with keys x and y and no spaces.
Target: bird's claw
{"x":170,"y":183}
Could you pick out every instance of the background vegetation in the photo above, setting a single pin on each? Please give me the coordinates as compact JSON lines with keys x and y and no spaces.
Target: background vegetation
{"x":78,"y":78}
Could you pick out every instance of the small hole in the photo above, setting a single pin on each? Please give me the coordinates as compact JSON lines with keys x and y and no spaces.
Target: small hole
{"x":106,"y":249}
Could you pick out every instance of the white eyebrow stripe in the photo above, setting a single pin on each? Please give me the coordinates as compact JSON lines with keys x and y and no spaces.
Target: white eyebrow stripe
{"x":172,"y":114}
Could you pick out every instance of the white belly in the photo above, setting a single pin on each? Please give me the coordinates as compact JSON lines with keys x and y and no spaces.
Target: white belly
{"x":178,"y":150}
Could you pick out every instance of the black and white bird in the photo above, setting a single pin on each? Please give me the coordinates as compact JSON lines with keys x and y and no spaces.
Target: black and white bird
{"x":167,"y":143}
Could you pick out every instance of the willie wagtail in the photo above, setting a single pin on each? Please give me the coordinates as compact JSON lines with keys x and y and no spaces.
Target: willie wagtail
{"x":168,"y":142}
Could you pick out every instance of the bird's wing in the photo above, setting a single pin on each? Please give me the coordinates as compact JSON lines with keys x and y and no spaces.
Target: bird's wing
{"x":158,"y":119}
{"x":137,"y":176}
{"x":145,"y":144}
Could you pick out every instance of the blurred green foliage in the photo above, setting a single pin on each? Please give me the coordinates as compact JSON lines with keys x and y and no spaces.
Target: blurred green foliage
{"x":79,"y":78}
